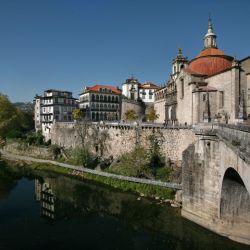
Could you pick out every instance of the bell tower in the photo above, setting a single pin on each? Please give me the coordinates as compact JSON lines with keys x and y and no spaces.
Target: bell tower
{"x":210,"y":37}
{"x":178,"y":64}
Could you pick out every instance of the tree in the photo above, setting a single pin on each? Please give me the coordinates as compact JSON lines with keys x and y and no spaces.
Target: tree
{"x":157,"y":160}
{"x":78,"y":115}
{"x":130,"y":115}
{"x":82,"y":125}
{"x":9,"y":116}
{"x":152,"y":115}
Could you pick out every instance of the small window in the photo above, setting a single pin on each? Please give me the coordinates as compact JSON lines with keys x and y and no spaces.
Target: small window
{"x":182,"y":88}
{"x":221,"y":99}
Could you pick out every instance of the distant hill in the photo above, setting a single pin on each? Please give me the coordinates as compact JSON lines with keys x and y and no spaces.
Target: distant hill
{"x":24,"y":106}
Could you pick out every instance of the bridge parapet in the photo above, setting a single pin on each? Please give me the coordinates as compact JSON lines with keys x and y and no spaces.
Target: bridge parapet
{"x":237,"y":135}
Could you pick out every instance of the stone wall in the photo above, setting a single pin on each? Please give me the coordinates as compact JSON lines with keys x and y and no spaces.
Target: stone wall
{"x":159,"y":106}
{"x":123,"y":138}
{"x":22,"y":149}
{"x":138,"y":107}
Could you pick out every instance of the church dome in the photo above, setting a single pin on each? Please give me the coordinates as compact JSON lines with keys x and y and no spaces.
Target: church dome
{"x":210,"y":60}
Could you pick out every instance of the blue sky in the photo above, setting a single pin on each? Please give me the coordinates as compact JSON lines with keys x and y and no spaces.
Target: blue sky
{"x":68,"y":44}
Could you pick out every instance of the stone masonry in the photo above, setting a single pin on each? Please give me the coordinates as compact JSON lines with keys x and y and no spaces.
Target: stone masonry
{"x":123,"y":138}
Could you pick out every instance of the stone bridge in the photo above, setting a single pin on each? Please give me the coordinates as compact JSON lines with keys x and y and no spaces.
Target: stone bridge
{"x":216,"y":181}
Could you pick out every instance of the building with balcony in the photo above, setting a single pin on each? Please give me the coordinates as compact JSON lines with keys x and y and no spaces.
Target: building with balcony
{"x":53,"y":105}
{"x":101,"y":103}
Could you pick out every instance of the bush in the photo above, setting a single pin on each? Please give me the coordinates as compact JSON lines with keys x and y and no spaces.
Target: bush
{"x":85,"y":158}
{"x":163,"y":174}
{"x":135,"y":163}
{"x":56,"y":150}
{"x":35,"y":138}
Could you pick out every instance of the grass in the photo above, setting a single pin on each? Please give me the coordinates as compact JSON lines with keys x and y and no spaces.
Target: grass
{"x":147,"y":190}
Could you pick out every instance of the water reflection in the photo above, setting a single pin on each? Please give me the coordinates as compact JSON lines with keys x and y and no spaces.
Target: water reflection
{"x":65,"y":212}
{"x":44,"y":194}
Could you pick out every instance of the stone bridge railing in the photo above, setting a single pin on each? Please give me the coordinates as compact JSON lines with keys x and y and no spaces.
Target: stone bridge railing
{"x":237,"y":135}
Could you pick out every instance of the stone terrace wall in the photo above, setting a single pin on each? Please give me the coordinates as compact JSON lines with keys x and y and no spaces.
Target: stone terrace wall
{"x":122,"y":139}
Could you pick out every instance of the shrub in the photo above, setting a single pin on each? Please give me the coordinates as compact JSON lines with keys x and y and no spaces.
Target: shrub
{"x":56,"y":150}
{"x":135,"y":163}
{"x":85,"y":158}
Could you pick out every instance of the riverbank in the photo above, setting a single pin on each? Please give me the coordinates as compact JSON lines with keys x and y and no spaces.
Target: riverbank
{"x":155,"y":189}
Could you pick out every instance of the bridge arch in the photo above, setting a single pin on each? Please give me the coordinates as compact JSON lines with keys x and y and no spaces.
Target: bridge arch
{"x":234,"y":198}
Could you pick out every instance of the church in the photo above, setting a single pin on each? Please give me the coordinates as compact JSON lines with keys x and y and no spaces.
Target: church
{"x":212,"y":87}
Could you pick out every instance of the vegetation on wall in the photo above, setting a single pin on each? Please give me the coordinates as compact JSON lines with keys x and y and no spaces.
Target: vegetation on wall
{"x":130,"y":115}
{"x":82,"y":155}
{"x":152,"y":115}
{"x":145,"y":163}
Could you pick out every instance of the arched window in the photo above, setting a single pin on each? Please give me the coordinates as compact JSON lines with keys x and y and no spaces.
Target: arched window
{"x":93,"y":98}
{"x":105,"y":98}
{"x":101,"y":98}
{"x":93,"y":116}
{"x":97,"y":97}
{"x":116,"y":99}
{"x":109,"y":99}
{"x":113,"y":98}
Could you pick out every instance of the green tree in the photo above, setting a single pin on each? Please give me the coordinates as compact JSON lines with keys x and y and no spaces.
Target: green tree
{"x":134,"y":163}
{"x":78,"y":115}
{"x":152,"y":115}
{"x":157,"y":160}
{"x":130,"y":115}
{"x":9,"y":117}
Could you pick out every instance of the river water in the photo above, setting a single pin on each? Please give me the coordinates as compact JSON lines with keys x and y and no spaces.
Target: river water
{"x":41,"y":210}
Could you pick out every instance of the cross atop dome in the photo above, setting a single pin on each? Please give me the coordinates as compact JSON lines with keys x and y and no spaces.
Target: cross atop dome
{"x":210,"y":37}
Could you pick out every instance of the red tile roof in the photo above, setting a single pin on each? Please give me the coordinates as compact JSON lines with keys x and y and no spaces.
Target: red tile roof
{"x":210,"y":61}
{"x":97,"y":88}
{"x":149,"y":85}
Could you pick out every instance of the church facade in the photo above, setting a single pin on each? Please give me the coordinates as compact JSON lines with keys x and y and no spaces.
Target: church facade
{"x":213,"y":87}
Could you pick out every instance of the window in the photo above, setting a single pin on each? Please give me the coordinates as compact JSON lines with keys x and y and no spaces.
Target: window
{"x":182,"y":88}
{"x":204,"y":97}
{"x":221,"y":99}
{"x":150,"y":97}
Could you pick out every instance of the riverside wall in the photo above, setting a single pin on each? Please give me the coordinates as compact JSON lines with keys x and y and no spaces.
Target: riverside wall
{"x":120,"y":139}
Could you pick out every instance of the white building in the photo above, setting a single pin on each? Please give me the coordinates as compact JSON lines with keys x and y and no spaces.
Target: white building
{"x":101,"y":103}
{"x":54,"y":105}
{"x":135,"y":91}
{"x":146,"y":92}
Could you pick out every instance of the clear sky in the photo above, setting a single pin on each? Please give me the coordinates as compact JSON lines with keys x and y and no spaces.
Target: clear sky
{"x":68,"y":44}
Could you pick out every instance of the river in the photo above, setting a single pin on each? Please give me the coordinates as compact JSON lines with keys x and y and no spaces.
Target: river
{"x":41,"y":210}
